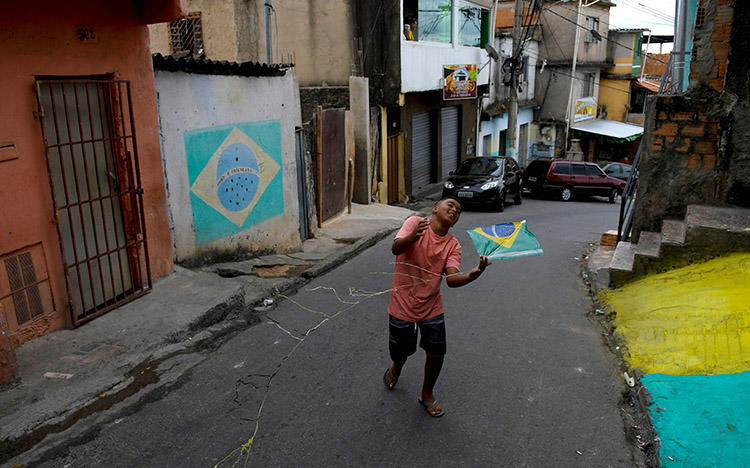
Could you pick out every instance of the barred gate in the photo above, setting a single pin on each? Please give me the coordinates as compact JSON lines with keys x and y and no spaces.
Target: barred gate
{"x":94,"y":177}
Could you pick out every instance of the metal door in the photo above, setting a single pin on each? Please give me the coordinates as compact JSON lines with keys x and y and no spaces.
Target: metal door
{"x":523,"y":144}
{"x":94,"y":176}
{"x":421,"y":150}
{"x":333,"y":163}
{"x":449,"y":139}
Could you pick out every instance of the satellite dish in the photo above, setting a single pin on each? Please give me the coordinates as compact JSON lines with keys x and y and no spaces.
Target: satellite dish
{"x":491,"y":50}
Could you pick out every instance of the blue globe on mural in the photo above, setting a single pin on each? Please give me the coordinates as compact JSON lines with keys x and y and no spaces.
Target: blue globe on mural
{"x":237,"y":177}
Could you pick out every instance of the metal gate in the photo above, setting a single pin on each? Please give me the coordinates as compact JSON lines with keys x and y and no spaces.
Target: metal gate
{"x":94,"y":177}
{"x":421,"y":150}
{"x":449,"y":139}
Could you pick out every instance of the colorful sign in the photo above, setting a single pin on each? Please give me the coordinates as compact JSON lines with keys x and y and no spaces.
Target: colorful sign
{"x":460,"y":81}
{"x":585,"y":108}
{"x":506,"y":240}
{"x":235,"y":177}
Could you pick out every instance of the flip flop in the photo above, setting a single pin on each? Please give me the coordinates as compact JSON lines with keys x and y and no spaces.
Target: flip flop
{"x":427,"y":405}
{"x":389,"y":375}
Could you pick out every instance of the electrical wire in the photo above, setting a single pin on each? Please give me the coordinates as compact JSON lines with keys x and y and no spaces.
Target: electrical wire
{"x":603,"y":37}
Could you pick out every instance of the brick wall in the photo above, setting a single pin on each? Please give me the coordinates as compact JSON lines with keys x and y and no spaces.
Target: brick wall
{"x":697,"y":146}
{"x":711,"y":44}
{"x":679,"y":165}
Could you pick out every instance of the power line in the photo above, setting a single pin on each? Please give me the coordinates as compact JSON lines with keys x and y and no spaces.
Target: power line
{"x":603,"y":37}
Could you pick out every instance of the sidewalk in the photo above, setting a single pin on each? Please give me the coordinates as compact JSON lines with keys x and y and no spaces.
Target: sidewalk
{"x":68,"y":375}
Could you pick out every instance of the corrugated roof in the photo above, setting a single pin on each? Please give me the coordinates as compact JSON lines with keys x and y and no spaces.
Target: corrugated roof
{"x":610,"y":128}
{"x":218,"y":67}
{"x":651,"y":85}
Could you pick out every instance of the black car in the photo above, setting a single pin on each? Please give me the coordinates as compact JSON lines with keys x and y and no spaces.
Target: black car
{"x":485,"y":180}
{"x":618,"y":170}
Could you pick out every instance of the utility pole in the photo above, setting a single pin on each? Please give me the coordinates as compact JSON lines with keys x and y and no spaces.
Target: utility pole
{"x":512,"y":146}
{"x":269,"y":46}
{"x":572,"y":74}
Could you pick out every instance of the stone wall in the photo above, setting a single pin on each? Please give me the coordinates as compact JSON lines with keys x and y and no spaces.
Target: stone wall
{"x":697,"y":146}
{"x":329,"y":97}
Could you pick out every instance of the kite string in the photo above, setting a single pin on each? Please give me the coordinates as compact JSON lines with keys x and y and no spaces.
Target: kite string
{"x":245,"y":448}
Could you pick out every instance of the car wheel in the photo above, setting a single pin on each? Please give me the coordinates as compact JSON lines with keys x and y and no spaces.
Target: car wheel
{"x":613,"y":195}
{"x":565,"y":194}
{"x":500,"y":203}
{"x":518,"y":199}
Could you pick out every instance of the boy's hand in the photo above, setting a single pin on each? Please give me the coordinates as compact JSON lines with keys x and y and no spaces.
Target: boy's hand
{"x":483,"y":263}
{"x":420,"y":228}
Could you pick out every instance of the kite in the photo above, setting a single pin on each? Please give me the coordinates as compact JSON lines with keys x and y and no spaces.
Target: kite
{"x":506,"y":240}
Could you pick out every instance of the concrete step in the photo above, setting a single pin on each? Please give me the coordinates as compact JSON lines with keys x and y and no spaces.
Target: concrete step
{"x":649,"y":244}
{"x":621,"y":265}
{"x":722,"y":218}
{"x":673,"y":232}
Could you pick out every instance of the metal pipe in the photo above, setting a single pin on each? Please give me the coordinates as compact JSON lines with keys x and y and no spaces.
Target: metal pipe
{"x":269,"y":48}
{"x":572,"y":76}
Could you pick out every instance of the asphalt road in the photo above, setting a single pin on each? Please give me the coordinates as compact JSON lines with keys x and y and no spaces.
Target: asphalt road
{"x":527,"y":380}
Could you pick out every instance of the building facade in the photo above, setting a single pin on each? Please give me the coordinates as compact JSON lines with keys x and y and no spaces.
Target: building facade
{"x":84,"y":220}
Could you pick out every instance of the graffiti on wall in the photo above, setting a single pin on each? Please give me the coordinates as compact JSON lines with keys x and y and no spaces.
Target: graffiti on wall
{"x":235,"y":177}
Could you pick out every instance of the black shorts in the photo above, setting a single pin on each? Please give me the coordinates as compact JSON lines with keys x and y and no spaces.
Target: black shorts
{"x":402,"y":339}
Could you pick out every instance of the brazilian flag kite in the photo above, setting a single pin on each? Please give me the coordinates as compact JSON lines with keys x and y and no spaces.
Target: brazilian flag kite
{"x":507,"y":240}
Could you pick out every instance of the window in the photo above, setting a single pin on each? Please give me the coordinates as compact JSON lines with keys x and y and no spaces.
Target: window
{"x":561,"y":168}
{"x":24,"y":288}
{"x":473,"y":24}
{"x":594,"y":171}
{"x":186,"y":36}
{"x":592,"y":30}
{"x":434,"y":21}
{"x":637,"y":99}
{"x":577,"y":169}
{"x":589,"y":84}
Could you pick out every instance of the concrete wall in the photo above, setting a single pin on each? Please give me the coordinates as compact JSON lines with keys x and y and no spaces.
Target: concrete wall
{"x":40,"y":39}
{"x":319,"y":34}
{"x":553,"y":88}
{"x":559,"y":33}
{"x":500,"y":123}
{"x":614,"y":95}
{"x":218,"y":25}
{"x":422,"y":64}
{"x":202,"y":118}
{"x":504,"y":46}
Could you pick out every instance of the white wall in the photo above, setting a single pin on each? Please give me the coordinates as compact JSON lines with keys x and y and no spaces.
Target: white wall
{"x":422,"y":64}
{"x":190,"y":103}
{"x":498,"y":124}
{"x":504,"y":47}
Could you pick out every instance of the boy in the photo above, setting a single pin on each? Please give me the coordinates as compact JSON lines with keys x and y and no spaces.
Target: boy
{"x":424,"y":251}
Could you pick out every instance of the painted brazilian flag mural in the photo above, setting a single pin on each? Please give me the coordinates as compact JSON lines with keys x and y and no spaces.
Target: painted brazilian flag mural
{"x":506,"y":240}
{"x":235,"y":177}
{"x":688,"y":331}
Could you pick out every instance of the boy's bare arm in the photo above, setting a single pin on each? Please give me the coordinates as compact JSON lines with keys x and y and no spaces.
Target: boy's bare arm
{"x":402,"y":243}
{"x":455,"y":279}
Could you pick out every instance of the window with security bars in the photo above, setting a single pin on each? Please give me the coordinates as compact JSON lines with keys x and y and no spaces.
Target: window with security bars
{"x":24,"y":287}
{"x":589,"y":82}
{"x":592,"y":30}
{"x":186,"y":36}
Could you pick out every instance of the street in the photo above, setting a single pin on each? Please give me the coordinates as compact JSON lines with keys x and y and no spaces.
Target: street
{"x":527,"y":381}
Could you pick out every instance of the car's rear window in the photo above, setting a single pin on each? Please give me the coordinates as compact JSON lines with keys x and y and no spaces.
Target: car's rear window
{"x":561,"y":168}
{"x":538,"y":168}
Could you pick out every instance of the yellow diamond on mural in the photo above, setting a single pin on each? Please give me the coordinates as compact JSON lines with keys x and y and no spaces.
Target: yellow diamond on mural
{"x":235,"y":177}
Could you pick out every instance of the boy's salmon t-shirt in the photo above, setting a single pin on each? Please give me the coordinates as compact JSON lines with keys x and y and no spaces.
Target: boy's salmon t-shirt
{"x":415,"y":289}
